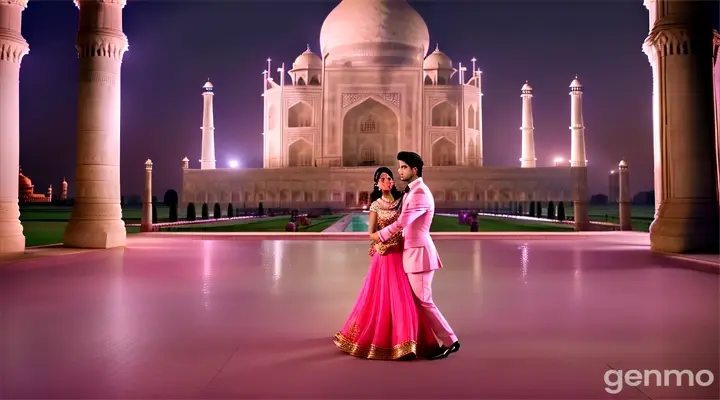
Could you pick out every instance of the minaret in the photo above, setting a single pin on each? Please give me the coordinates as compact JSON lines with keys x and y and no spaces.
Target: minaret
{"x":578,"y":161}
{"x":49,"y":194}
{"x":578,"y":157}
{"x":14,"y":49}
{"x":96,"y":220}
{"x":527,"y":158}
{"x":207,"y":157}
{"x":624,"y":197}
{"x":146,"y":223}
{"x":64,"y":190}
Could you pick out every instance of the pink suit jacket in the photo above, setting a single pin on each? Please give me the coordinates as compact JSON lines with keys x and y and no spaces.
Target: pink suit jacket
{"x":419,"y":254}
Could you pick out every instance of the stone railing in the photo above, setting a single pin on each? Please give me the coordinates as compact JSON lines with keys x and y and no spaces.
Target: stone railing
{"x":341,"y":225}
{"x":197,"y":221}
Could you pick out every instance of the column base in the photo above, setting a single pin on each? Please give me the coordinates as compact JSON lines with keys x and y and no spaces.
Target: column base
{"x":686,"y":227}
{"x":12,"y":240}
{"x":95,"y":234}
{"x":581,"y":217}
{"x":625,"y":218}
{"x":12,"y":244}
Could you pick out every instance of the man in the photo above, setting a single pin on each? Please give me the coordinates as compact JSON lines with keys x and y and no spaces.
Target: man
{"x":420,"y":258}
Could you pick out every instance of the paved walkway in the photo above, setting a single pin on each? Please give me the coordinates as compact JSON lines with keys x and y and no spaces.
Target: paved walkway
{"x":182,"y":317}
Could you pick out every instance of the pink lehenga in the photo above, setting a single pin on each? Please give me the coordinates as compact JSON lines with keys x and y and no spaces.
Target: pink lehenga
{"x":385,"y":323}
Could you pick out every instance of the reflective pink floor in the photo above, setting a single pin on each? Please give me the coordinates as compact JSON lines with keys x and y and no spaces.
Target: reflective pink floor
{"x":183,"y":318}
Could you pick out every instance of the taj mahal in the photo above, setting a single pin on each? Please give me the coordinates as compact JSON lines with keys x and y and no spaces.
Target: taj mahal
{"x":376,"y":89}
{"x":372,"y":90}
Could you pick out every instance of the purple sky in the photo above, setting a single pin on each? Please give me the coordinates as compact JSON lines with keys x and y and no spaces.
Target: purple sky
{"x":176,"y":45}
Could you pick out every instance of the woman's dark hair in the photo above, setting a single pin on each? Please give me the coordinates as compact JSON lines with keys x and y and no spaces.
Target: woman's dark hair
{"x":377,"y":193}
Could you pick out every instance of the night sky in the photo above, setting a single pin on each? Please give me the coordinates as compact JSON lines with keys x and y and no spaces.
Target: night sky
{"x":176,"y":45}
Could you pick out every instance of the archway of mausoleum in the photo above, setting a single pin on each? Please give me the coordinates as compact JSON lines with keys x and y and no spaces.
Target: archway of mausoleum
{"x":300,"y":115}
{"x":300,"y":153}
{"x":350,"y":199}
{"x":444,"y":114}
{"x":370,"y":134}
{"x":272,"y":117}
{"x":471,"y":118}
{"x":443,"y":153}
{"x":364,"y":199}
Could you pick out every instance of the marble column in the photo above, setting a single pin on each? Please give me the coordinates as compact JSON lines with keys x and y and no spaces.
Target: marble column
{"x":207,"y":151}
{"x":578,"y":160}
{"x":577,"y":125}
{"x":680,"y":44}
{"x":96,"y":220}
{"x":64,"y":192}
{"x":146,"y":224}
{"x":14,"y":48}
{"x":624,"y":197}
{"x":527,"y":151}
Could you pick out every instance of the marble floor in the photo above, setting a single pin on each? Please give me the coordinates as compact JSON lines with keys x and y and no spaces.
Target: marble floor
{"x":190,"y":318}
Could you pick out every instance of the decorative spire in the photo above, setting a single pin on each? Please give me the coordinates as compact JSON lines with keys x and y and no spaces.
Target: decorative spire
{"x":437,"y":47}
{"x":308,"y":48}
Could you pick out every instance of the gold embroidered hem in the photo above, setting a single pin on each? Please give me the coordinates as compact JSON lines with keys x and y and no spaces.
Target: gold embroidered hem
{"x":373,"y":352}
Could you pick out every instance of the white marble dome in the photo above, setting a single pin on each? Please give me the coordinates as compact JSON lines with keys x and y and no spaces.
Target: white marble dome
{"x":308,"y":60}
{"x":437,"y":60}
{"x":361,"y":24}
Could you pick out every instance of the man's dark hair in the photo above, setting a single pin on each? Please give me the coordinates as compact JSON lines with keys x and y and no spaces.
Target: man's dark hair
{"x":413,"y":160}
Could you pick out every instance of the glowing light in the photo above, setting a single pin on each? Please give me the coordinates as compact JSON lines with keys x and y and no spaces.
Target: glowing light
{"x":558,"y":161}
{"x":477,"y":266}
{"x":233,"y":164}
{"x":207,"y":271}
{"x":612,"y":172}
{"x":524,"y":261}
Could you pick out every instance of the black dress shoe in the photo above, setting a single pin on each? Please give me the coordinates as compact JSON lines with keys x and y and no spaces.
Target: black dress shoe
{"x":446,"y":351}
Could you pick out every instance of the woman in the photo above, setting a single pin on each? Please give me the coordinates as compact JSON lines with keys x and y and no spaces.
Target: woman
{"x":385,"y":323}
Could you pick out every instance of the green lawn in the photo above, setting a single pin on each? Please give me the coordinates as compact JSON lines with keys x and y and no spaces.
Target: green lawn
{"x":45,"y":224}
{"x":38,"y":233}
{"x":642,"y":216}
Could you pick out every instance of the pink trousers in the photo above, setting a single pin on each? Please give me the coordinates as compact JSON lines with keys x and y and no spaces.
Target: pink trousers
{"x":421,"y":284}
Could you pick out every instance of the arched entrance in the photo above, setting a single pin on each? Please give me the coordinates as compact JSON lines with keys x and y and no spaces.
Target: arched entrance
{"x":370,"y":134}
{"x":300,"y":154}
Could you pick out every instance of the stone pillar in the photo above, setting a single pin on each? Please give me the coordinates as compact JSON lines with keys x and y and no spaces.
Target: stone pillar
{"x":96,"y":220}
{"x":578,"y":175}
{"x":680,"y":44}
{"x":64,"y":192}
{"x":527,"y":151}
{"x":577,"y":125}
{"x":578,"y":159}
{"x":208,"y":129}
{"x":716,"y":94}
{"x":624,"y":197}
{"x":146,"y":224}
{"x":14,"y":48}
